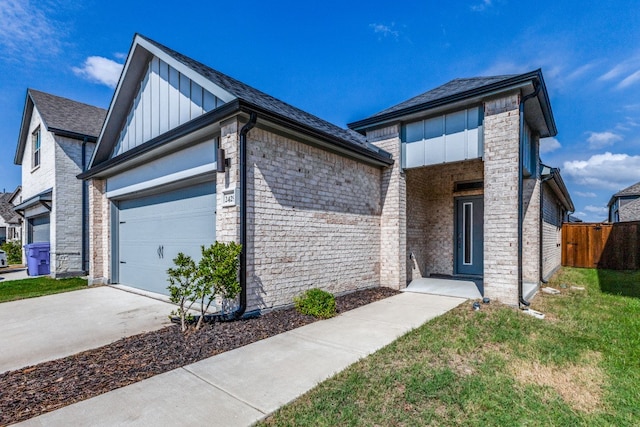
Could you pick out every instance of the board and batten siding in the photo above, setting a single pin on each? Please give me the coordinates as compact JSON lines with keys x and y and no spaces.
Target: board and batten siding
{"x":166,"y":99}
{"x":445,"y":138}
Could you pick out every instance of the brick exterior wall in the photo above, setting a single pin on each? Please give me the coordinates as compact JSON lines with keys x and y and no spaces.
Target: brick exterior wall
{"x":393,"y":231}
{"x":431,"y":214}
{"x":551,"y":233}
{"x":313,"y":221}
{"x":100,"y":233}
{"x":228,"y":218}
{"x":531,"y":231}
{"x":67,"y":198}
{"x":501,"y":141}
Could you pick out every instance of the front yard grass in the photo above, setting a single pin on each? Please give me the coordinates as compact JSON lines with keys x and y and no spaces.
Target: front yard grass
{"x":497,"y":366}
{"x":12,"y":290}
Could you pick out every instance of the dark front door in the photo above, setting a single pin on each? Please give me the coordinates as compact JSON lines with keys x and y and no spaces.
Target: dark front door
{"x":469,"y":235}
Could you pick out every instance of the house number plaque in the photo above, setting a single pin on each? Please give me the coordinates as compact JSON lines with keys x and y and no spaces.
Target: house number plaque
{"x":229,"y":197}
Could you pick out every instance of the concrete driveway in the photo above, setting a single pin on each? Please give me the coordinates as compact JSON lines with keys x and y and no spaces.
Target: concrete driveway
{"x":12,"y":273}
{"x":36,"y":330}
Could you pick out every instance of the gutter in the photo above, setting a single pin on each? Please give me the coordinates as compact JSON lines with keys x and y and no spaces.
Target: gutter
{"x":521,"y":299}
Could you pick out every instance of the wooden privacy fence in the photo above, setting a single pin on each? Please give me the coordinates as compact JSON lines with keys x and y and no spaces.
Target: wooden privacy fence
{"x":595,"y":245}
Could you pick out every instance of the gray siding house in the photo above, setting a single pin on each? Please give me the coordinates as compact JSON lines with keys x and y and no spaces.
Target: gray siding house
{"x":57,"y":137}
{"x":625,"y":204}
{"x":188,"y":155}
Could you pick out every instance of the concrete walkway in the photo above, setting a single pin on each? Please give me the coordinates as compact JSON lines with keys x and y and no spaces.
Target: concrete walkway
{"x":242,"y":386}
{"x":36,"y":330}
{"x":446,"y":287}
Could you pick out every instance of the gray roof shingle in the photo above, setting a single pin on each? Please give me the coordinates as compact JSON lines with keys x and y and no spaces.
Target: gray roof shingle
{"x":261,"y":99}
{"x":632,"y":190}
{"x":68,"y":115}
{"x":451,"y":88}
{"x":6,"y":209}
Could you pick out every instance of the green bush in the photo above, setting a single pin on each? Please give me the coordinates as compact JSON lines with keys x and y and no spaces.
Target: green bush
{"x":317,"y":303}
{"x":14,"y":251}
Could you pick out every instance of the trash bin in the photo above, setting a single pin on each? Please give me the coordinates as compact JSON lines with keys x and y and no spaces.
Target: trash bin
{"x":37,"y":258}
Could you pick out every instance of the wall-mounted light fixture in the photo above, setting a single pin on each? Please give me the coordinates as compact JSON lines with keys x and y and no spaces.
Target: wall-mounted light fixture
{"x":223,"y":163}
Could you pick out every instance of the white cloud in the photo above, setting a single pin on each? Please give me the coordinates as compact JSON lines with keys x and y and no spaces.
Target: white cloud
{"x":27,"y":31}
{"x":629,"y":80}
{"x":628,"y":124}
{"x":580,"y":71}
{"x":100,"y":70}
{"x":481,"y":6}
{"x":547,"y":145}
{"x":626,"y":71}
{"x":385,"y":30}
{"x":596,"y":209}
{"x":598,"y":140}
{"x":606,"y":171}
{"x":616,"y":71}
{"x":586,"y":194}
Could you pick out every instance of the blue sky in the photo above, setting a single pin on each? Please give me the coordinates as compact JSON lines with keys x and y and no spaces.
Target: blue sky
{"x":346,"y":60}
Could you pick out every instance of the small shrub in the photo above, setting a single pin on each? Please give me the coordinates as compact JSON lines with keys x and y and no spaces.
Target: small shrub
{"x":317,"y":303}
{"x":14,"y":251}
{"x":217,"y":275}
{"x":182,"y":286}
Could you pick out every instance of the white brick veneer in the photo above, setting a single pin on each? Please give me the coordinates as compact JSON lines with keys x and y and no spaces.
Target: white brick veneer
{"x":313,"y":221}
{"x":393,"y":231}
{"x":431,"y":214}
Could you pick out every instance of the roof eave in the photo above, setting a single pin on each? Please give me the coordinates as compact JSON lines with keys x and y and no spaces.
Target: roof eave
{"x":516,"y":82}
{"x":27,"y":112}
{"x":380,"y":158}
{"x":219,"y":114}
{"x":560,"y":189}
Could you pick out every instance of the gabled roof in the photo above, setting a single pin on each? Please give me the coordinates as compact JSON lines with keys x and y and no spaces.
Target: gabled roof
{"x":447,"y":90}
{"x":630,"y":191}
{"x":61,"y":116}
{"x":6,"y":209}
{"x":553,"y":178}
{"x":235,"y":94}
{"x":467,"y":90}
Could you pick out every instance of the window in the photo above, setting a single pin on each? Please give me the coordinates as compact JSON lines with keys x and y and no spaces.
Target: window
{"x":35,"y":142}
{"x":447,"y":138}
{"x":529,"y":158}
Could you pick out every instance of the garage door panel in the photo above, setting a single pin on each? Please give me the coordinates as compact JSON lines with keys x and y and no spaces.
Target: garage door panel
{"x":154,"y":229}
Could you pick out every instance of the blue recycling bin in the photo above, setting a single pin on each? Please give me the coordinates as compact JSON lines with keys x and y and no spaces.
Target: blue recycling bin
{"x":37,"y":258}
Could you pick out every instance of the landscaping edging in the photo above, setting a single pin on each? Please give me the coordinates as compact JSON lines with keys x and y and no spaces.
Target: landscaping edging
{"x":34,"y":390}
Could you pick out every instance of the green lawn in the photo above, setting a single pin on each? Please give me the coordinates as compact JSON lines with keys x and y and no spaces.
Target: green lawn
{"x":38,"y":286}
{"x":578,"y":366}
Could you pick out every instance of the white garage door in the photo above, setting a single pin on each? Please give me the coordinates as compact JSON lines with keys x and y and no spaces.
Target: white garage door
{"x":153,"y":229}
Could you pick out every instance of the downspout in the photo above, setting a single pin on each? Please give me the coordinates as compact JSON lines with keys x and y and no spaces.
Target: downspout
{"x":243,"y":214}
{"x":85,"y":207}
{"x":521,"y":299}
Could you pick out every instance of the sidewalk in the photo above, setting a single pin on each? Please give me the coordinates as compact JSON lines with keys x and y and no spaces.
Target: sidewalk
{"x":242,"y":386}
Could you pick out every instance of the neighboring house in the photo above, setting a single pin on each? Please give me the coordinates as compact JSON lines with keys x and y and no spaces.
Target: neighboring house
{"x":10,"y":221}
{"x":188,"y":155}
{"x":556,"y":205}
{"x":625,"y":204}
{"x":57,"y":138}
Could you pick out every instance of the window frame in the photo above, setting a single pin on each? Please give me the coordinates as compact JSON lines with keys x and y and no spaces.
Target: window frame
{"x":36,"y":148}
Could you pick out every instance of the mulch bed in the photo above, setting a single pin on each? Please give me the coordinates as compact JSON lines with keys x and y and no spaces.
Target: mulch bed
{"x":34,"y":390}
